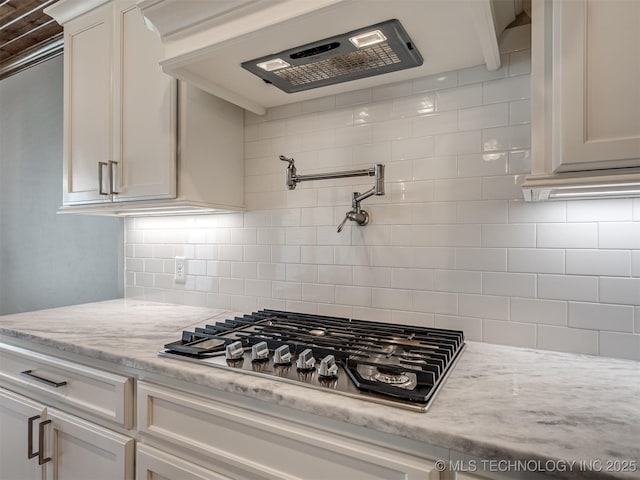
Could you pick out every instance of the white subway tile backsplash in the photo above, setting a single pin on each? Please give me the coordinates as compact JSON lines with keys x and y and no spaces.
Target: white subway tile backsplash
{"x":620,"y":345}
{"x":435,"y":82}
{"x":484,"y":116}
{"x":458,"y":143}
{"x":483,"y":164}
{"x":301,"y":273}
{"x":619,"y":235}
{"x":287,"y":290}
{"x":506,"y":138}
{"x":505,"y":187}
{"x":545,"y":312}
{"x":485,"y":259}
{"x":318,"y":293}
{"x":610,"y":210}
{"x":624,"y":291}
{"x":509,"y":284}
{"x":519,"y":112}
{"x":457,"y":98}
{"x":451,"y":244}
{"x":509,"y":333}
{"x":435,"y":302}
{"x":543,"y":212}
{"x":285,"y":253}
{"x":571,"y":340}
{"x":472,"y":327}
{"x":414,"y":105}
{"x":483,"y":306}
{"x":568,"y":287}
{"x":569,"y":235}
{"x":457,"y":189}
{"x":486,"y":211}
{"x":457,"y":281}
{"x":596,"y":316}
{"x":511,"y":235}
{"x":443,"y":122}
{"x":409,"y":148}
{"x":599,"y":262}
{"x":506,"y":89}
{"x":412,"y":278}
{"x":391,"y":298}
{"x":356,"y":296}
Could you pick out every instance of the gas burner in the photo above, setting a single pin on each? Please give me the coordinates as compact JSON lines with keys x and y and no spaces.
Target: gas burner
{"x":392,"y":378}
{"x":399,"y":365}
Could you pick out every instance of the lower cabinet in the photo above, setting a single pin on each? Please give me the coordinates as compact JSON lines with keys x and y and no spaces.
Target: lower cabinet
{"x":245,"y":444}
{"x":19,"y":416}
{"x":42,"y":443}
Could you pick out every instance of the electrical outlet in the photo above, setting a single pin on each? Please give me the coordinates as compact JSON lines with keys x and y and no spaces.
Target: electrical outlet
{"x":181,"y":269}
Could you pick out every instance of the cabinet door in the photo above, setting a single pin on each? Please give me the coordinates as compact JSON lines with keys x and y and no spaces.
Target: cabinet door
{"x":15,"y":412}
{"x":80,"y":449}
{"x":145,"y":112}
{"x":87,"y":107}
{"x":598,"y":68}
{"x":153,"y":464}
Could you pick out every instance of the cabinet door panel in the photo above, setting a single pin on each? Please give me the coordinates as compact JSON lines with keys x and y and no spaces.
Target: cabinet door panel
{"x":599,"y":73}
{"x":81,"y":449}
{"x":88,"y":52}
{"x":145,"y":97}
{"x":15,"y":411}
{"x":153,"y":464}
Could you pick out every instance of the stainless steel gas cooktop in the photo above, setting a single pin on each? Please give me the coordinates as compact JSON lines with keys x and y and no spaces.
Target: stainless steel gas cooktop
{"x":391,"y":364}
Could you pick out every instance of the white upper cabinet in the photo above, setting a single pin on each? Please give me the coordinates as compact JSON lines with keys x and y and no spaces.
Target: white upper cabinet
{"x":126,"y":145}
{"x":88,"y":110}
{"x":585,"y":99}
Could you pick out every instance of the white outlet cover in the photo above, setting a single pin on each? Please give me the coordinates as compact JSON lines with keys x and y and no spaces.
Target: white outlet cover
{"x":181,"y":270}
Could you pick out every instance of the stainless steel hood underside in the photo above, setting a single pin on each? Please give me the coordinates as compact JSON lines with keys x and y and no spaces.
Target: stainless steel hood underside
{"x":207,"y":42}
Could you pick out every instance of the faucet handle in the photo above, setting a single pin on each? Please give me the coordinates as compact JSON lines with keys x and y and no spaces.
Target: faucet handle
{"x":286,"y":159}
{"x":346,"y":217}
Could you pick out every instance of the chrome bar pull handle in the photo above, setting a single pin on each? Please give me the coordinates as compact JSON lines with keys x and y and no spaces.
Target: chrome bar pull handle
{"x":30,"y":452}
{"x":100,"y":166}
{"x":46,"y":381}
{"x":112,"y":188}
{"x":41,"y":459}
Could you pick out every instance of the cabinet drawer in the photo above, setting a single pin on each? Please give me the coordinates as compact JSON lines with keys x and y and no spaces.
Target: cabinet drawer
{"x":97,"y":392}
{"x":234,"y":439}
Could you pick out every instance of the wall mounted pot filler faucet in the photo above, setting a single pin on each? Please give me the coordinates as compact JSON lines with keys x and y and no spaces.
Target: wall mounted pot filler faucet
{"x":356,"y":214}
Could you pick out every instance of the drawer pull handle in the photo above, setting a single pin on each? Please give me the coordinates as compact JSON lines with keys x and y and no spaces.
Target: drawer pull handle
{"x":41,"y":459}
{"x":51,"y":383}
{"x":100,"y":165}
{"x":30,"y":452}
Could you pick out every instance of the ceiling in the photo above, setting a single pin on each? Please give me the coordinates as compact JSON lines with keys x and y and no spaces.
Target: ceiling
{"x":27,"y":35}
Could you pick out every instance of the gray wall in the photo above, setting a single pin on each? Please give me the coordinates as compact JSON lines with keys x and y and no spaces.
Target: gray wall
{"x":46,"y":260}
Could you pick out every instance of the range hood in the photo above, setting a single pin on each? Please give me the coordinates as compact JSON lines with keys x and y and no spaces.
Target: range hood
{"x":207,"y":43}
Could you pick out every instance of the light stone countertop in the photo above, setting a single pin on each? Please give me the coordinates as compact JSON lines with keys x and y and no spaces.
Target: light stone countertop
{"x":499,"y":402}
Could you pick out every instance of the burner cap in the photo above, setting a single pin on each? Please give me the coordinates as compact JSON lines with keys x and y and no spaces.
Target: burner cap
{"x":392,"y":378}
{"x":317,"y":332}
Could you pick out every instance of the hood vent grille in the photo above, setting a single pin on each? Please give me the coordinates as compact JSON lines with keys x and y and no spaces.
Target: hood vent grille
{"x":339,"y":59}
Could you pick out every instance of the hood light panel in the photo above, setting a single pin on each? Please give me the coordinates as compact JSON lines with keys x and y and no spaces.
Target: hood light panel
{"x":368,"y":38}
{"x":273,"y":65}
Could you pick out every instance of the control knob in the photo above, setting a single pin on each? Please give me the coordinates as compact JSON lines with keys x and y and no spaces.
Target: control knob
{"x":234,"y":351}
{"x":282,"y":355}
{"x":259,"y":352}
{"x":328,"y":367}
{"x":305,"y":360}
